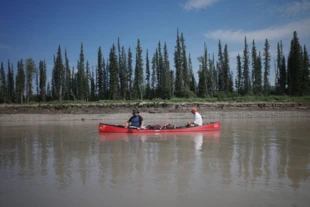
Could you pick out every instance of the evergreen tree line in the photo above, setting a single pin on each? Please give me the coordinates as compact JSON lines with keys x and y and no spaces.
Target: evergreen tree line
{"x":115,"y":78}
{"x":292,"y":79}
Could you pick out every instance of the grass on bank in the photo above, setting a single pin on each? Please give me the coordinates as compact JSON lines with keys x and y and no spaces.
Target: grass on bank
{"x":218,"y":98}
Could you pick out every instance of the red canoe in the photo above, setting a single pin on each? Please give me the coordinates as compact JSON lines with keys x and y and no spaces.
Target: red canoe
{"x":110,"y":128}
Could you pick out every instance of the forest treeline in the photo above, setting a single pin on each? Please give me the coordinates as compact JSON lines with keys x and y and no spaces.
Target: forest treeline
{"x":116,"y":78}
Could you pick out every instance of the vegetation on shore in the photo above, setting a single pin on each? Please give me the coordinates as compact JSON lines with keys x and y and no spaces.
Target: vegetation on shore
{"x":115,"y":80}
{"x":218,"y":99}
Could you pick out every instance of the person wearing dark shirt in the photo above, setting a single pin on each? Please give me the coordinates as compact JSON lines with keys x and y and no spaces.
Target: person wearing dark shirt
{"x":136,"y":120}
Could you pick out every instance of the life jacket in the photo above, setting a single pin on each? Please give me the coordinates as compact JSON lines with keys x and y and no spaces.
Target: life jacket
{"x":135,"y":121}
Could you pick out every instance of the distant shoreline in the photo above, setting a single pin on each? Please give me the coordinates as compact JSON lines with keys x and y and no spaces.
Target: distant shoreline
{"x":155,"y":110}
{"x":210,"y":116}
{"x":150,"y":107}
{"x":152,"y":111}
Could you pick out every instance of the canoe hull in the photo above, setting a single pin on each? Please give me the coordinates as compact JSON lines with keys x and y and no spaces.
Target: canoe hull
{"x":109,"y":128}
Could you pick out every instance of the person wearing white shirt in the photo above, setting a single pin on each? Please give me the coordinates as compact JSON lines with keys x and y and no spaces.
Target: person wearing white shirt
{"x":197,"y":119}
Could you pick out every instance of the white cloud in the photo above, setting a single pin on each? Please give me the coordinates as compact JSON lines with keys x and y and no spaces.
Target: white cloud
{"x":198,"y":4}
{"x":271,"y":33}
{"x":294,"y":8}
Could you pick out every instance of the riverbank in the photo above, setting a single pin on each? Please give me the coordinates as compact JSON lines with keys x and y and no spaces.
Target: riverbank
{"x":208,"y":116}
{"x":153,"y":111}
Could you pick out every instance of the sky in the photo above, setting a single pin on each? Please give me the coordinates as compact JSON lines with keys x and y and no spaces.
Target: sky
{"x":35,"y":28}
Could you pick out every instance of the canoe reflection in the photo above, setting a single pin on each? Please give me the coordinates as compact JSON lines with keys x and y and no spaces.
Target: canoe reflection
{"x":212,"y":137}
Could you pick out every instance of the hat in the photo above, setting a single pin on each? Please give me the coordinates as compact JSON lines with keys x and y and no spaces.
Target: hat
{"x":135,"y":112}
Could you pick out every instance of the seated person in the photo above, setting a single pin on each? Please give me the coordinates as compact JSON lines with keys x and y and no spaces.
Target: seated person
{"x":197,"y":119}
{"x":136,"y":120}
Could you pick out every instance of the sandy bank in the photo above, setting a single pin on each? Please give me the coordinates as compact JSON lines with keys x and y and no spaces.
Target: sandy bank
{"x":150,"y":111}
{"x":209,"y":116}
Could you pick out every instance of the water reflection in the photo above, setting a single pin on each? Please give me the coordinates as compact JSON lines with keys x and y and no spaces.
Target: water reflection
{"x":252,"y":155}
{"x":197,"y":137}
{"x":270,"y":154}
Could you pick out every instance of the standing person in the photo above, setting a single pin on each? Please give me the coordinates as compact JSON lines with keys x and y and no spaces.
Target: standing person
{"x":197,"y":119}
{"x":136,"y":120}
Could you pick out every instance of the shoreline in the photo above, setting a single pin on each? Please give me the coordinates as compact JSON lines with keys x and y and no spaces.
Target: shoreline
{"x":208,"y":116}
{"x":152,"y":111}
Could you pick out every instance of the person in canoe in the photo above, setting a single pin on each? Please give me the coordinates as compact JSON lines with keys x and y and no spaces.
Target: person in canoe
{"x":197,"y":119}
{"x":135,"y":121}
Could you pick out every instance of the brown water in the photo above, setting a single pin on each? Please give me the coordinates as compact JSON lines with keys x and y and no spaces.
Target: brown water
{"x":248,"y":163}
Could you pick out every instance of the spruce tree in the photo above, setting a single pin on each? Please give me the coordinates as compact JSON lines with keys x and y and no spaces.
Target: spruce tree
{"x":48,"y":92}
{"x":157,"y":65}
{"x":171,"y":82}
{"x":192,"y":84}
{"x":81,"y":75}
{"x":20,"y":81}
{"x":203,"y":74}
{"x":278,"y":69}
{"x":10,"y":83}
{"x":166,"y":73}
{"x":42,"y":71}
{"x":92,"y":86}
{"x":281,"y":74}
{"x":201,"y":82}
{"x":266,"y":56}
{"x":178,"y":68}
{"x":123,"y":73}
{"x":74,"y":91}
{"x":67,"y":78}
{"x":119,"y":55}
{"x":87,"y":81}
{"x":239,"y":79}
{"x":154,"y":76}
{"x":305,"y":73}
{"x":37,"y":85}
{"x":53,"y":84}
{"x":212,"y":78}
{"x":226,"y":71}
{"x":138,"y":79}
{"x":185,"y":72}
{"x":231,"y":82}
{"x":207,"y":71}
{"x":59,"y":75}
{"x":147,"y":76}
{"x":100,"y":74}
{"x":120,"y":70}
{"x":105,"y":78}
{"x":130,"y":73}
{"x":96,"y":83}
{"x":246,"y":75}
{"x":258,"y":74}
{"x":30,"y":71}
{"x":3,"y":85}
{"x":113,"y":70}
{"x":160,"y":70}
{"x":220,"y":70}
{"x":255,"y":70}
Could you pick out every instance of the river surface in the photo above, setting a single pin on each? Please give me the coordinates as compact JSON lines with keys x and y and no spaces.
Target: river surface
{"x":249,"y":162}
